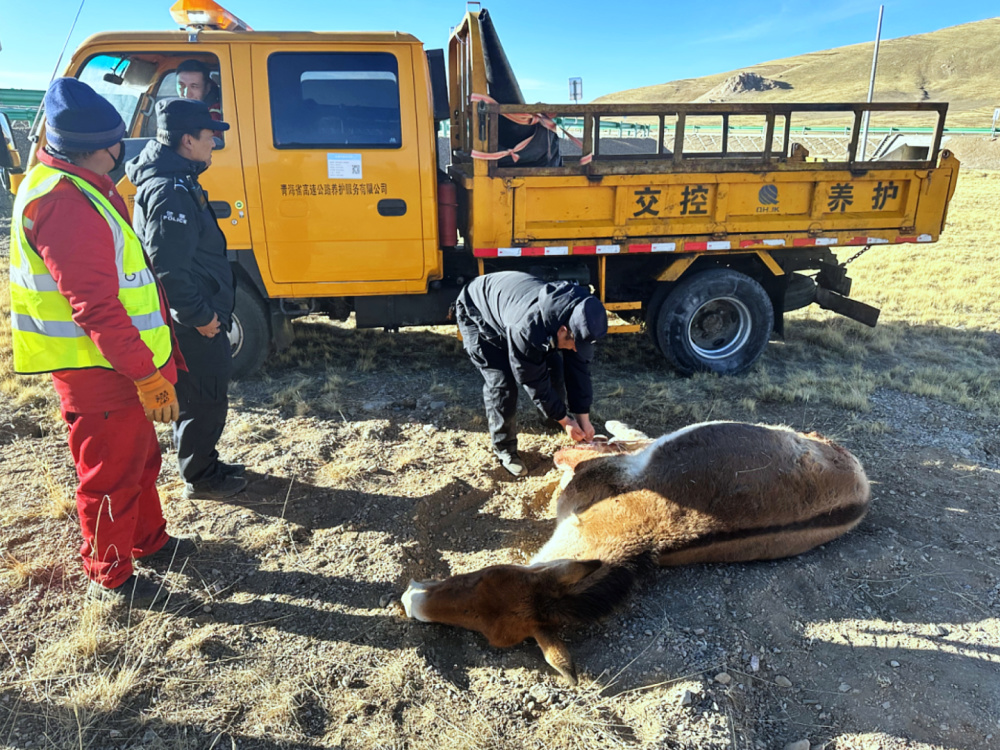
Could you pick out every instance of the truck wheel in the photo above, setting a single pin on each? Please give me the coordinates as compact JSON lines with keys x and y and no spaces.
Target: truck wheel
{"x":716,"y":321}
{"x":250,"y":335}
{"x":801,"y":292}
{"x":653,"y":312}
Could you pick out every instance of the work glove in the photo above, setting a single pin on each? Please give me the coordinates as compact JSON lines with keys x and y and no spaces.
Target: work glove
{"x":158,"y":398}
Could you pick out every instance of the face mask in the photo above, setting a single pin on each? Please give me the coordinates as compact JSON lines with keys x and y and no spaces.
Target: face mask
{"x":120,"y":159}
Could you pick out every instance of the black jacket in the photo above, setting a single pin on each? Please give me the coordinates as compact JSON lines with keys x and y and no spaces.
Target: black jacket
{"x":179,"y":230}
{"x":521,"y":313}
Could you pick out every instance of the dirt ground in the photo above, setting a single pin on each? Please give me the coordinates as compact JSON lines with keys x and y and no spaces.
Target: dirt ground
{"x":368,"y":465}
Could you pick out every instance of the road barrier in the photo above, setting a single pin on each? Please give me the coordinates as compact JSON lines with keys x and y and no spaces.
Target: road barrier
{"x":20,"y":104}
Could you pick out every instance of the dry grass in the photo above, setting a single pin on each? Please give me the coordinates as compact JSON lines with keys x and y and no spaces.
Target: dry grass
{"x":953,"y":65}
{"x":300,"y":644}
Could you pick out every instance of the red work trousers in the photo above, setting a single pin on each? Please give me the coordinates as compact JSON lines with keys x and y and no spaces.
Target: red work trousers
{"x":117,"y":460}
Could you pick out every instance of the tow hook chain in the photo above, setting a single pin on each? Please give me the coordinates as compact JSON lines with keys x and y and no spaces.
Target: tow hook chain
{"x":857,"y":255}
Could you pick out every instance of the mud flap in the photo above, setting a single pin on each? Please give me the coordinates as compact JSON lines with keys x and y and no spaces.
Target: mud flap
{"x":847,"y":307}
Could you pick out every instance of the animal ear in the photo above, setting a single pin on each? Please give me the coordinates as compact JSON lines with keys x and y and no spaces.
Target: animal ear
{"x":571,"y":572}
{"x":556,"y":654}
{"x":623,"y":433}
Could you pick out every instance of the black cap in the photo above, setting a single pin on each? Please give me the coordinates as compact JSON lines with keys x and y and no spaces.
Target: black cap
{"x":186,"y":115}
{"x":588,"y":322}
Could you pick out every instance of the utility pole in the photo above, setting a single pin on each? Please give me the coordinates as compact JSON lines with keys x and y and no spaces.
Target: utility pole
{"x":871,"y":83}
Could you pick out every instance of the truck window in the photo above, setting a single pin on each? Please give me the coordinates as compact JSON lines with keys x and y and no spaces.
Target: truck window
{"x":123,"y":97}
{"x":210,"y":93}
{"x":334,"y":100}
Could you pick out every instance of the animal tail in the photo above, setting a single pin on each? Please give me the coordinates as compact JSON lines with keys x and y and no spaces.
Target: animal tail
{"x":603,"y":591}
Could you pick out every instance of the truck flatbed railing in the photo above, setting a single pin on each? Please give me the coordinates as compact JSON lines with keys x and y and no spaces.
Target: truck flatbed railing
{"x":669,"y":124}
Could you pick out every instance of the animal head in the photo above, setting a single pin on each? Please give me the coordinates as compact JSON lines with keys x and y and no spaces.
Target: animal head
{"x":507,"y":604}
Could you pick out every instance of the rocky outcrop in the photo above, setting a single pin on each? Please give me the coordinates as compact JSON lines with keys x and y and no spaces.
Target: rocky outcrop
{"x":743,"y":82}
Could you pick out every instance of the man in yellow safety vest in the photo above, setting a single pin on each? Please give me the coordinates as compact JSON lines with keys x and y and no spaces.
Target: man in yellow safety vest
{"x":86,"y":307}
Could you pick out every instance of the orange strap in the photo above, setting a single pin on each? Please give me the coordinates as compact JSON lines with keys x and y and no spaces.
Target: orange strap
{"x":525,"y":119}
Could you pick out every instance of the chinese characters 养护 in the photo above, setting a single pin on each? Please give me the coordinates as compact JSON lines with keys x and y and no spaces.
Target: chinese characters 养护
{"x":883,"y":193}
{"x":841,"y":196}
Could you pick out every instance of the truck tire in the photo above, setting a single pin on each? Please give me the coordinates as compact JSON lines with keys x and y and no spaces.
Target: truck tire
{"x":717,"y":321}
{"x":801,"y":292}
{"x":653,"y":312}
{"x":250,"y":334}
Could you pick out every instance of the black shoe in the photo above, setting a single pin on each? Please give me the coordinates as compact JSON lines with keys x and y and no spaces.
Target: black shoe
{"x":218,"y":490}
{"x":136,"y":592}
{"x":175,"y":550}
{"x":231,"y":470}
{"x":512,"y":463}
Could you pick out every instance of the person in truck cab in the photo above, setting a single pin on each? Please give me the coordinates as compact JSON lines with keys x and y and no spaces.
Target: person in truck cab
{"x":194,"y":81}
{"x":86,"y":307}
{"x":519,"y":330}
{"x":188,"y":249}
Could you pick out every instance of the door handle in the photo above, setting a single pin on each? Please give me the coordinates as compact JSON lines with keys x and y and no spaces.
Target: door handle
{"x":221,"y":208}
{"x":391,"y":207}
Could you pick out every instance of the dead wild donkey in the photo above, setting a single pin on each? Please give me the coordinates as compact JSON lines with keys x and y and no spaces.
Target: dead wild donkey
{"x":711,"y":492}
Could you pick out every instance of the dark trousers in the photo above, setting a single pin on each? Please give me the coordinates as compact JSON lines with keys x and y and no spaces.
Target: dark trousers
{"x":203,"y":395}
{"x":500,"y":386}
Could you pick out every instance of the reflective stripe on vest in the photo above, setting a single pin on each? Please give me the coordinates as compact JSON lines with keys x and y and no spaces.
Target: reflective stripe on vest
{"x":45,"y":338}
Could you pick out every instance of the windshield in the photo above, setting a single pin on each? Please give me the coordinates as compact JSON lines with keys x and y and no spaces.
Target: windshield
{"x":123,"y":98}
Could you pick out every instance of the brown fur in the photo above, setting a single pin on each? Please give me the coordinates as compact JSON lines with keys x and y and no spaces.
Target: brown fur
{"x":716,"y":492}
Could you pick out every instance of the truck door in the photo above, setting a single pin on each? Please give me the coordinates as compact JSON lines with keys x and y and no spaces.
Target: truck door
{"x":134,"y":78}
{"x":338,"y":158}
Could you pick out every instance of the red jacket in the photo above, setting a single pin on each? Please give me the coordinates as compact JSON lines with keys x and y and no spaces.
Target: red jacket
{"x":77,"y":247}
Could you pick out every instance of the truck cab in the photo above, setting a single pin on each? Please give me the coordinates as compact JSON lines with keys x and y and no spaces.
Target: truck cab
{"x":325,"y":185}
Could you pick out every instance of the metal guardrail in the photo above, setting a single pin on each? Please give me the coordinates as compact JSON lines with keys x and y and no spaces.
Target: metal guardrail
{"x":641,"y":130}
{"x":20,"y":104}
{"x":672,"y":152}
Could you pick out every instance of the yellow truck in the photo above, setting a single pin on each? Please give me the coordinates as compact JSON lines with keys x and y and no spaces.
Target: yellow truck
{"x":338,"y":196}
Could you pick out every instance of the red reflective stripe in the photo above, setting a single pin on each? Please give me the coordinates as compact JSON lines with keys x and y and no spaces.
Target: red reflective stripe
{"x":585,"y":250}
{"x":748,"y":243}
{"x":532,"y":251}
{"x":640,"y":248}
{"x":906,"y":239}
{"x":803,"y":242}
{"x":695,"y":245}
{"x":485,"y":252}
{"x":858,"y":241}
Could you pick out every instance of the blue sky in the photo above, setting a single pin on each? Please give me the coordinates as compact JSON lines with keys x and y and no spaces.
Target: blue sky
{"x":611,"y":45}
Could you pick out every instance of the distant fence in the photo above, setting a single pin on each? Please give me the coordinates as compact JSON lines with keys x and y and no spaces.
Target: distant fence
{"x":639,"y":130}
{"x":20,"y":104}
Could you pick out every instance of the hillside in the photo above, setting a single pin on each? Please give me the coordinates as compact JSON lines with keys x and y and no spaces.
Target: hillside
{"x":958,"y":64}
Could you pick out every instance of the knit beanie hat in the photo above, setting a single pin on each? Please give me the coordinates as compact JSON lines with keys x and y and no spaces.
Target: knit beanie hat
{"x":78,"y":119}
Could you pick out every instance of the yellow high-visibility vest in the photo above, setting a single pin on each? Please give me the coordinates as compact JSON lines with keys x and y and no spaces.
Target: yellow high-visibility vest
{"x":44,"y":336}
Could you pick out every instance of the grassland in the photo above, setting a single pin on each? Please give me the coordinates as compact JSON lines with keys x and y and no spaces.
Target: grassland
{"x":956,"y":65}
{"x":368,"y":465}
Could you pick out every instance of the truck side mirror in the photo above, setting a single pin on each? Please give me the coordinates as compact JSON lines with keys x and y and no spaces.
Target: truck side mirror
{"x":10,"y":160}
{"x":8,"y":150}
